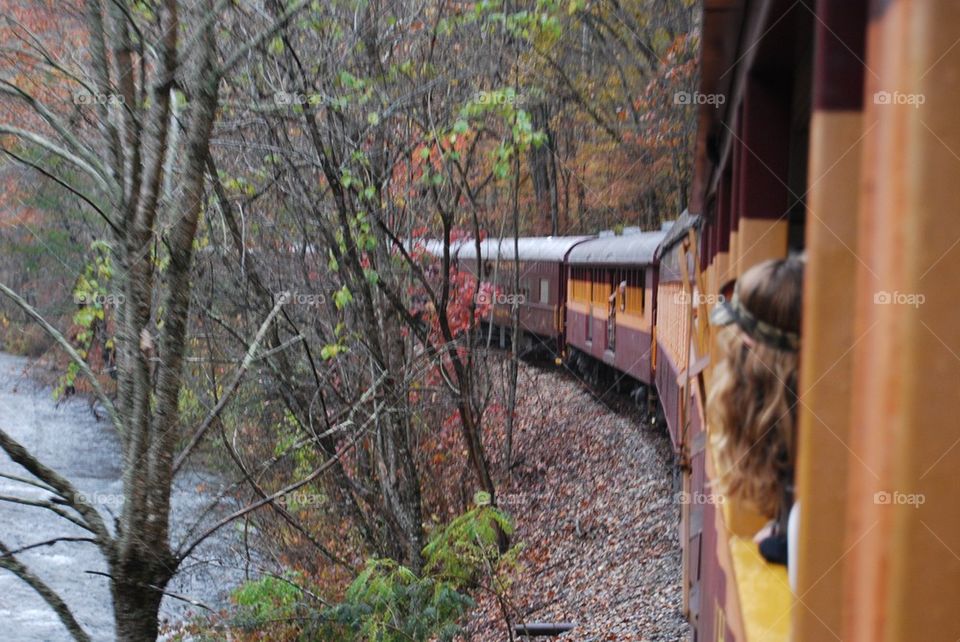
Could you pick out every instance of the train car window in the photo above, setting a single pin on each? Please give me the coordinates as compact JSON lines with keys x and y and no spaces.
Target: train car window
{"x":624,"y":288}
{"x":544,"y":291}
{"x":600,"y":292}
{"x":642,"y":286}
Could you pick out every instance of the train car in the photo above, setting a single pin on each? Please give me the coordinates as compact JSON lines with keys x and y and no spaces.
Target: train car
{"x":747,"y":205}
{"x":675,"y":267}
{"x":610,"y":300}
{"x":836,"y":136}
{"x":542,"y":266}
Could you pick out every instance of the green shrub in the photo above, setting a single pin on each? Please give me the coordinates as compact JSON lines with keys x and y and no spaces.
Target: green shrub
{"x":390,"y":603}
{"x":267,"y":600}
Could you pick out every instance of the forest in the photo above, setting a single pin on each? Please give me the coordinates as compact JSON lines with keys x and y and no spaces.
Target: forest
{"x":214,"y":228}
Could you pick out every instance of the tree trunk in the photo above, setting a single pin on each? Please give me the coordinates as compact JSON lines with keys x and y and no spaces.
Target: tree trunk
{"x":513,"y":369}
{"x":543,"y":170}
{"x":137,"y":589}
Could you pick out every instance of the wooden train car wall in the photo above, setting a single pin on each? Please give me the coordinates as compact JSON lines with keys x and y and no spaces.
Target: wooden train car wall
{"x":673,"y":333}
{"x":681,"y":356}
{"x":748,"y":192}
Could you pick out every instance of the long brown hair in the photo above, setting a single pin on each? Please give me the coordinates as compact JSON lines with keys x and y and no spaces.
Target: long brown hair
{"x":753,"y":396}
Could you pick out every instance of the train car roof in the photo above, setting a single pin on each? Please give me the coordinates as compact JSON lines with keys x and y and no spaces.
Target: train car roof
{"x":626,"y":249}
{"x":677,"y":230}
{"x":434,"y":247}
{"x":528,"y":248}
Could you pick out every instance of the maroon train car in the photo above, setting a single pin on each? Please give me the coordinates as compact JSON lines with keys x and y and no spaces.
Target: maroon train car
{"x":543,"y":282}
{"x":610,"y":300}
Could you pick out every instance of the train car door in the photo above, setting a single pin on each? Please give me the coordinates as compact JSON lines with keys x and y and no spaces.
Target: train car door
{"x":613,"y":302}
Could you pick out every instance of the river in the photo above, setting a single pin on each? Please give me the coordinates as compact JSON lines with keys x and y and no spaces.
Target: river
{"x":69,"y":439}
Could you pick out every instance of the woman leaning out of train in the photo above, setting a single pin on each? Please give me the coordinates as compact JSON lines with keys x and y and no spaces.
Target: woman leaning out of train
{"x":753,"y":399}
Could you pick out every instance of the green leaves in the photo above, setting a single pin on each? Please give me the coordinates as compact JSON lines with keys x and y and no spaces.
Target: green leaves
{"x":93,"y":301}
{"x":330,"y":351}
{"x":503,"y":106}
{"x":346,"y":178}
{"x":342,"y":297}
{"x":276,"y":46}
{"x":389,"y":602}
{"x":470,"y":544}
{"x":268,"y":599}
{"x":350,"y":81}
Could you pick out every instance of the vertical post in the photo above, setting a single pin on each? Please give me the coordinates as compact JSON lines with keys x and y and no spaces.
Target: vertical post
{"x":903,"y":574}
{"x":836,"y":135}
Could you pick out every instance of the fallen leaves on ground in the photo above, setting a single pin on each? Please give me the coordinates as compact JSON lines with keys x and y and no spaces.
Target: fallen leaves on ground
{"x":592,"y":495}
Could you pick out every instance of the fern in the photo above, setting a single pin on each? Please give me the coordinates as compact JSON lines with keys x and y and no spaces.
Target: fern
{"x":388,"y":602}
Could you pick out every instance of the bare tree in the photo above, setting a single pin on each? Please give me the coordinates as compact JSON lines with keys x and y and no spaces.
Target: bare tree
{"x":348,"y":125}
{"x":154,"y":73}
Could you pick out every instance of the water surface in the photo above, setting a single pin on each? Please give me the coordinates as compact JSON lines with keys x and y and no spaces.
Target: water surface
{"x":71,"y":441}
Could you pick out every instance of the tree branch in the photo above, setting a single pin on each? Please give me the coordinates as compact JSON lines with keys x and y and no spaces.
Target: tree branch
{"x":49,"y":505}
{"x":55,"y":149}
{"x":49,"y":542}
{"x":278,"y":24}
{"x":62,"y":487}
{"x":49,"y":596}
{"x":269,"y":499}
{"x":217,"y":409}
{"x":74,"y":355}
{"x":31,"y":482}
{"x":58,"y":126}
{"x":70,"y":188}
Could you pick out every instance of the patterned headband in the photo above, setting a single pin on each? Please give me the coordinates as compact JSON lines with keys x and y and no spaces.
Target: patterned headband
{"x":733,"y":311}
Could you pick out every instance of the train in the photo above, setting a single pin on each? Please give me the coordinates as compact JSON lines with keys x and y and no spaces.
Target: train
{"x":835,"y":138}
{"x":615,"y":307}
